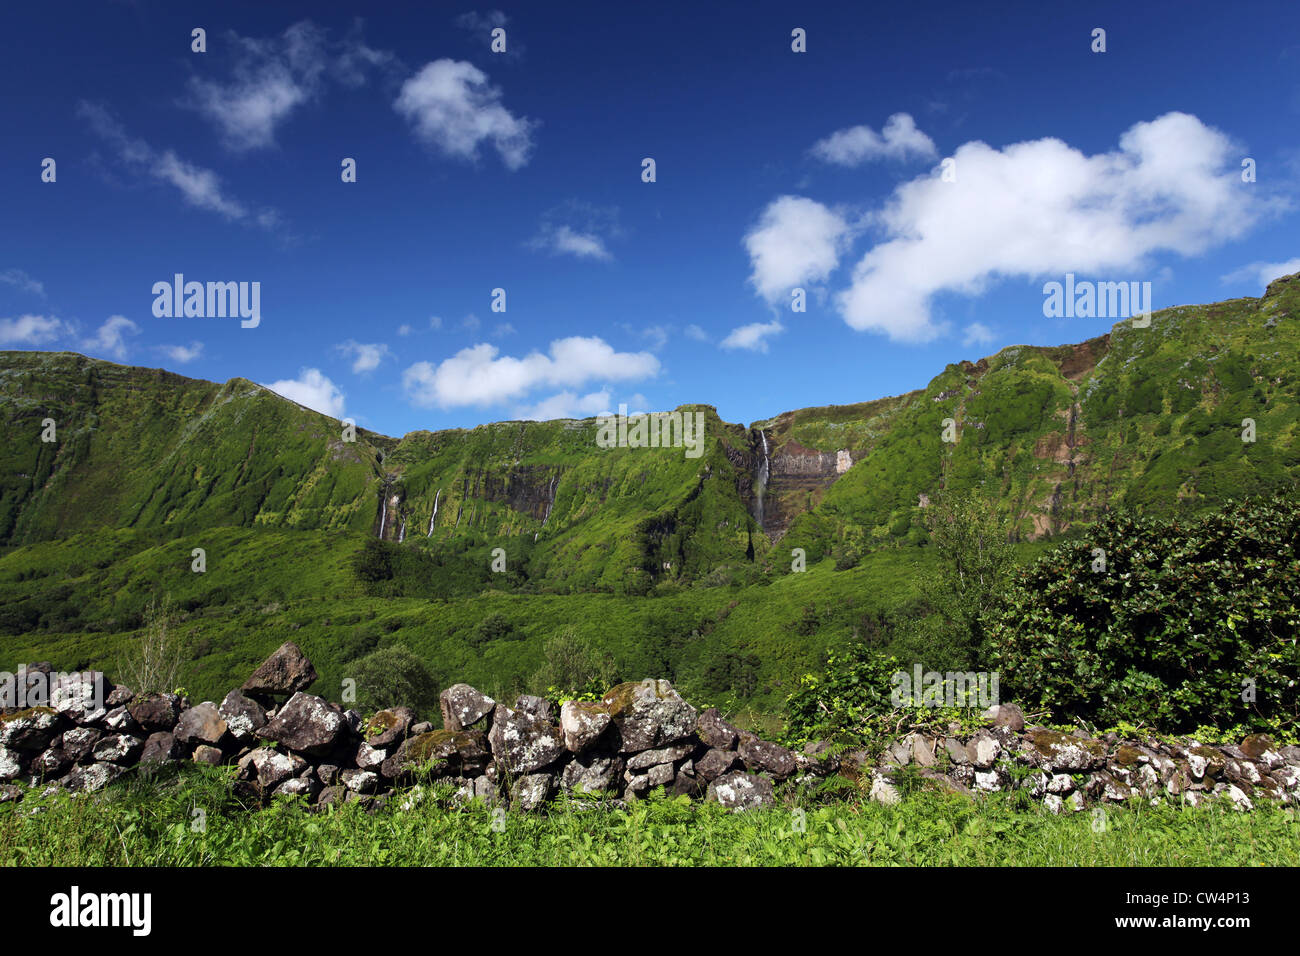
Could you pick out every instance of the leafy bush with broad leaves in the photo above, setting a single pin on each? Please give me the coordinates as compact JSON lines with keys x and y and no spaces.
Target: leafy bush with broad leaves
{"x":1187,"y":622}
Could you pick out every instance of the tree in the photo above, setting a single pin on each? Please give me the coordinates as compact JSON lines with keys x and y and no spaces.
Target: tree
{"x":391,"y":676}
{"x":153,"y":665}
{"x":574,"y":665}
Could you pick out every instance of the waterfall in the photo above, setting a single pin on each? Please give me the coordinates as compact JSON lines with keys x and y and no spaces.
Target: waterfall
{"x":435,"y":513}
{"x":761,"y":485}
{"x":383,"y":512}
{"x":401,"y":532}
{"x":550,"y":503}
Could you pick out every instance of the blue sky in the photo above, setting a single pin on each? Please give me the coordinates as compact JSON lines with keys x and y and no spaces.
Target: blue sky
{"x":522,"y":170}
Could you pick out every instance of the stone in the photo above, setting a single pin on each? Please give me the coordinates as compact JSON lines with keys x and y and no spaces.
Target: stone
{"x":649,"y":758}
{"x":368,"y":757}
{"x":360,"y":781}
{"x":95,"y":776}
{"x":423,"y":727}
{"x":441,"y":753}
{"x":287,"y":671}
{"x":244,"y":717}
{"x":464,"y":708}
{"x":51,"y":764}
{"x":306,"y":787}
{"x":79,"y":742}
{"x":11,"y":764}
{"x":715,"y":763}
{"x":884,"y":792}
{"x":119,"y":697}
{"x":582,"y":723}
{"x":538,"y":707}
{"x":521,"y":743}
{"x":80,"y":696}
{"x":331,"y":795}
{"x":1057,"y":752}
{"x":118,"y":749}
{"x":741,"y":791}
{"x":270,"y":767}
{"x":983,"y":749}
{"x":660,"y":774}
{"x":530,"y":791}
{"x":154,"y":712}
{"x":159,"y":747}
{"x":201,"y":724}
{"x":10,"y":793}
{"x":716,"y":732}
{"x":765,"y":757}
{"x":206,"y":754}
{"x":922,"y":750}
{"x":389,"y":727}
{"x":1009,"y":716}
{"x":31,"y":729}
{"x":590,"y":773}
{"x":649,"y":714}
{"x":119,"y":721}
{"x":328,"y":774}
{"x":307,"y":724}
{"x":956,"y":750}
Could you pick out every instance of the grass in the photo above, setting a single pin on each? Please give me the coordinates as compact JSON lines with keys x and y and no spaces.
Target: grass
{"x":153,"y":823}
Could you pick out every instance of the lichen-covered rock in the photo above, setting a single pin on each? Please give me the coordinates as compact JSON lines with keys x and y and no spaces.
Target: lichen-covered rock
{"x":530,"y":791}
{"x":582,"y":723}
{"x":590,"y":773}
{"x":649,"y":714}
{"x":715,"y":732}
{"x":368,"y":757}
{"x":79,"y":742}
{"x":1057,"y":752}
{"x":983,"y":750}
{"x":307,"y":724}
{"x":1009,"y":716}
{"x":884,"y":792}
{"x":715,"y":763}
{"x":287,"y":671}
{"x":270,"y":767}
{"x":649,"y":758}
{"x":160,"y":747}
{"x":80,"y":696}
{"x":360,"y":781}
{"x":201,"y":724}
{"x":10,"y":793}
{"x":244,"y":716}
{"x":440,"y":753}
{"x":1205,"y":762}
{"x":30,"y":729}
{"x":119,"y":721}
{"x":95,"y":776}
{"x":1256,"y":745}
{"x":742,"y":791}
{"x":51,"y":764}
{"x":118,"y":748}
{"x":209,"y":755}
{"x":464,"y":708}
{"x":766,"y":757}
{"x":154,"y":712}
{"x":11,"y":763}
{"x":389,"y":727}
{"x":534,"y":706}
{"x":521,"y":743}
{"x":306,"y":787}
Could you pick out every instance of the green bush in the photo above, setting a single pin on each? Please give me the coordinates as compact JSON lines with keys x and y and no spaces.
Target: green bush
{"x":391,"y":676}
{"x":1188,"y":621}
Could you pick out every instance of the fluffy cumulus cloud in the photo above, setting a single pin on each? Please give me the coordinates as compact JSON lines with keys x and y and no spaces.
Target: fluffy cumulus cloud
{"x":1262,"y":273}
{"x":566,"y":404}
{"x":578,"y":229}
{"x":753,"y":336}
{"x":365,"y":356}
{"x":977,"y":333}
{"x":1042,"y":208}
{"x":272,"y":77}
{"x":31,"y":330}
{"x":110,"y":338}
{"x":899,"y":139}
{"x":182,"y":354}
{"x":453,"y":108}
{"x":796,"y":241}
{"x":312,"y":389}
{"x":199,"y":187}
{"x":480,"y":375}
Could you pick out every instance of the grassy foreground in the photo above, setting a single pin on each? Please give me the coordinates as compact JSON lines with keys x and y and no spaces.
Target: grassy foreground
{"x":155,"y":823}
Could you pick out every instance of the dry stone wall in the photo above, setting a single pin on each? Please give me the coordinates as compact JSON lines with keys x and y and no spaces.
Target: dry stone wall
{"x":640,"y":737}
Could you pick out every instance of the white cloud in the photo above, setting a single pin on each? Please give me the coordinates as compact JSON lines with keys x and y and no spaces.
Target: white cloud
{"x":578,"y":229}
{"x":435,"y":322}
{"x":404,"y":330}
{"x":198,"y":186}
{"x":796,"y":240}
{"x":31,"y":330}
{"x":566,"y":405}
{"x":502,"y":330}
{"x":1043,"y":208}
{"x":110,"y":339}
{"x":365,"y":356}
{"x":313,"y":389}
{"x":584,"y":245}
{"x":900,"y":139}
{"x":470,"y":323}
{"x":480,"y":375}
{"x":752,"y":337}
{"x":21,"y":280}
{"x":696,"y":333}
{"x":453,"y":108}
{"x":1262,"y":273}
{"x":977,"y":333}
{"x":182,"y":353}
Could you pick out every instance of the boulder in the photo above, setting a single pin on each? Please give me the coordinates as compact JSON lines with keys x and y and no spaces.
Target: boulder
{"x":590,"y":773}
{"x":244,"y":717}
{"x":360,"y":781}
{"x":51,"y":764}
{"x":766,"y":757}
{"x":118,"y":748}
{"x":715,"y":763}
{"x":201,"y":724}
{"x":80,"y":696}
{"x":464,"y":708}
{"x":11,"y":764}
{"x":983,"y":749}
{"x":154,"y":712}
{"x":1061,"y":753}
{"x":538,"y":707}
{"x":389,"y":727}
{"x":582,"y":723}
{"x":521,"y":743}
{"x":159,"y":747}
{"x":530,"y":791}
{"x":307,"y":724}
{"x":205,"y":754}
{"x":30,"y":729}
{"x":1256,"y":745}
{"x":270,"y":767}
{"x":440,"y":752}
{"x":649,"y":714}
{"x":79,"y":742}
{"x":1009,"y":716}
{"x":119,"y":721}
{"x":741,"y":791}
{"x":650,"y":758}
{"x":287,"y":671}
{"x":95,"y":776}
{"x":716,"y":732}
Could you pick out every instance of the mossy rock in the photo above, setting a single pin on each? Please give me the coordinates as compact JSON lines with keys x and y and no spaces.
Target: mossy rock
{"x":1127,"y":756}
{"x":27,"y":712}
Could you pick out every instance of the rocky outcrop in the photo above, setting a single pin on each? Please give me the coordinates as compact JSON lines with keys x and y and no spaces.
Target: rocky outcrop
{"x":640,"y":737}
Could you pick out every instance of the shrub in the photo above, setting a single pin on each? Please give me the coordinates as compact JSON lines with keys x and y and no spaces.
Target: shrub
{"x":573,"y":667}
{"x":393,"y":675}
{"x":1188,"y":621}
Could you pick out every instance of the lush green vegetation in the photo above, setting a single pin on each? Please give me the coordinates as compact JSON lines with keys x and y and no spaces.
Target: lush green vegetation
{"x":154,"y":823}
